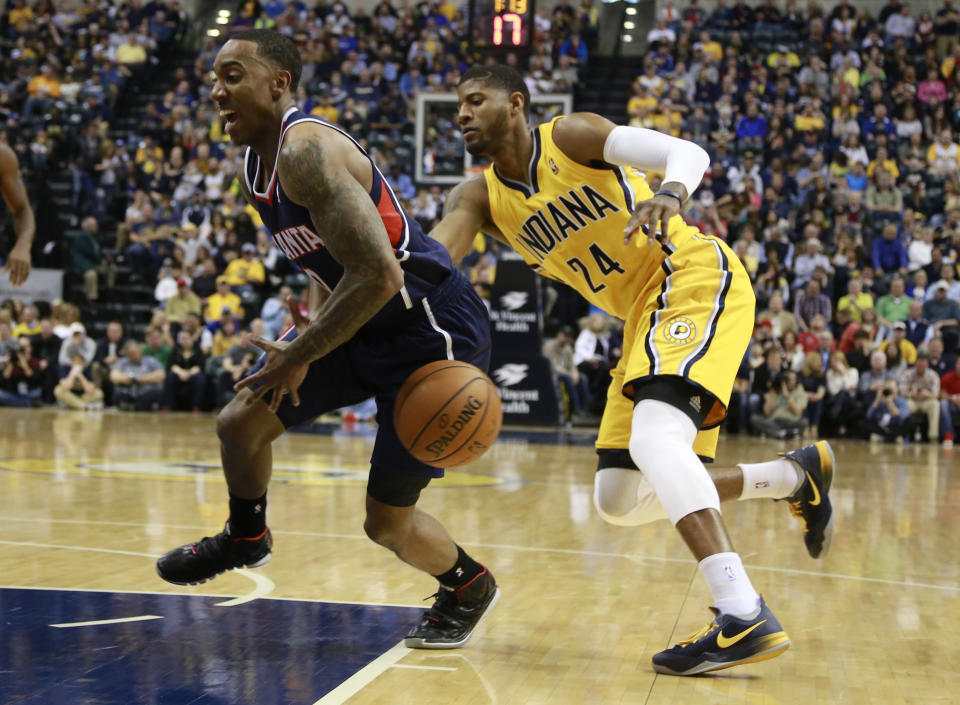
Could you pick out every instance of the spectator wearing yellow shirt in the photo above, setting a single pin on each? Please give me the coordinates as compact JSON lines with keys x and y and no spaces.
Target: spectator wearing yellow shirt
{"x":709,"y":47}
{"x":857,"y":300}
{"x":223,"y":298}
{"x":148,"y":150}
{"x":667,"y":119}
{"x":850,"y":73}
{"x":246,"y":271}
{"x":908,"y":351}
{"x":131,"y":53}
{"x":885,"y":162}
{"x":326,"y":111}
{"x":651,"y":80}
{"x":944,"y":155}
{"x":845,"y":108}
{"x":810,"y":119}
{"x":947,"y":66}
{"x":29,"y":324}
{"x":44,"y":85}
{"x":182,"y":303}
{"x":447,"y":9}
{"x":225,"y":338}
{"x":19,"y":15}
{"x":782,"y":52}
{"x":641,"y":103}
{"x":41,"y":91}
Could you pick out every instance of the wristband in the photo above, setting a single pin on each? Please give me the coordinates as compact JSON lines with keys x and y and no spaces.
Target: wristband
{"x":674,"y":194}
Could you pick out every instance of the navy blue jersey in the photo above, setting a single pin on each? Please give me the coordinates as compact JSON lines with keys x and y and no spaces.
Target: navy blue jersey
{"x":425,"y":262}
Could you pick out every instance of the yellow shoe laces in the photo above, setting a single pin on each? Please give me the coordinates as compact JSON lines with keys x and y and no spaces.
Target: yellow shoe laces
{"x":795,"y":509}
{"x":696,"y":636}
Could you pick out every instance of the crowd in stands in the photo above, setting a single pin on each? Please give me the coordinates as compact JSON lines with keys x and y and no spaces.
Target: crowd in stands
{"x":169,"y":189}
{"x":835,"y":177}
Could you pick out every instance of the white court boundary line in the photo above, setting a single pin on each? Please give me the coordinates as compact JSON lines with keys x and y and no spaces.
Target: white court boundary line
{"x":364,"y":677}
{"x":412,"y":667}
{"x":508,"y":547}
{"x":209,"y":594}
{"x":121,"y":620}
{"x":263,"y":585}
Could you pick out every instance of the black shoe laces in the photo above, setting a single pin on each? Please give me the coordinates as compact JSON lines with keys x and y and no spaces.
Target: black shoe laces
{"x":215,"y":548}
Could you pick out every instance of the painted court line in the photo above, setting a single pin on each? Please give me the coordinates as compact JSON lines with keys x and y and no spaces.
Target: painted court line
{"x":422,"y":668}
{"x":364,"y":677}
{"x":507,"y":547}
{"x":96,"y":623}
{"x":264,"y":586}
{"x":208,"y":594}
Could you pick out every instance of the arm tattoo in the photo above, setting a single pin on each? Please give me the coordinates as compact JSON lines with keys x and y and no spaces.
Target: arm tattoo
{"x":353,"y":233}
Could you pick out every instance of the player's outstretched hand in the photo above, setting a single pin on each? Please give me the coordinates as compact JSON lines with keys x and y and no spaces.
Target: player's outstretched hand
{"x":18,"y":264}
{"x":652,"y":217}
{"x":280,"y":373}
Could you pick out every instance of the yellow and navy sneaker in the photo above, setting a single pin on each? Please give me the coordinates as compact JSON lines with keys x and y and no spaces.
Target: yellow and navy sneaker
{"x":727,"y":641}
{"x":811,"y":503}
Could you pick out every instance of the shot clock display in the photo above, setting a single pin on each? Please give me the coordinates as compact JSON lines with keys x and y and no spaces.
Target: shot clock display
{"x":501,"y":26}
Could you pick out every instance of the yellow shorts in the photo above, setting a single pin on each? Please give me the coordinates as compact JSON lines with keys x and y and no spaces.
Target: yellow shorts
{"x":693,"y":321}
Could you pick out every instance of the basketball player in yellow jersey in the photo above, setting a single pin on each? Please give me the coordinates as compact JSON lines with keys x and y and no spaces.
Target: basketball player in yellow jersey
{"x":570,"y":196}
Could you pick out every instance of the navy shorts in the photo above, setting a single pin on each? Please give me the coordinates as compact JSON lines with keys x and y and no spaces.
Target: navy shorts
{"x":450,"y":324}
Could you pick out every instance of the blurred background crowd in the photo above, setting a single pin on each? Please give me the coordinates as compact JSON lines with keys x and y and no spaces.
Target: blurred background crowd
{"x":835,"y":176}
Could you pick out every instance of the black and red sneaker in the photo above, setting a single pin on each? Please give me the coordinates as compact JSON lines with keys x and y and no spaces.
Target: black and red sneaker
{"x":450,"y":622}
{"x":199,"y":562}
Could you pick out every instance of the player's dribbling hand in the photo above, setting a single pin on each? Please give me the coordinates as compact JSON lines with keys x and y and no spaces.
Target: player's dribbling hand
{"x":652,"y":217}
{"x":18,"y":264}
{"x":280,"y":373}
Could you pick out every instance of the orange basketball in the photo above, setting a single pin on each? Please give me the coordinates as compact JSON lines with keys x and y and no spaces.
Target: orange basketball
{"x":447,"y":413}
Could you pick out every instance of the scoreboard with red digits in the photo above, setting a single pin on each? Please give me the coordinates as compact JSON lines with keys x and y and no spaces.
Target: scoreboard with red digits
{"x":501,"y":26}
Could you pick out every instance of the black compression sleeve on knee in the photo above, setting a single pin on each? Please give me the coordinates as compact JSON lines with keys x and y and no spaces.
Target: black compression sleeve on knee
{"x":397,"y":489}
{"x":615,"y":458}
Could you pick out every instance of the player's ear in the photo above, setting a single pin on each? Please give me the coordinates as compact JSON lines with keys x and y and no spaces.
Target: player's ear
{"x":516,"y":102}
{"x":281,"y":83}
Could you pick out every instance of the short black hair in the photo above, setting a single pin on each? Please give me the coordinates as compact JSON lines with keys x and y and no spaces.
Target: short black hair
{"x":278,"y":49}
{"x":502,"y":77}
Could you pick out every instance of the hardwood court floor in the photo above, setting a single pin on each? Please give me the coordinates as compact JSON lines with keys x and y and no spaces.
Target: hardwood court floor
{"x":584,"y":606}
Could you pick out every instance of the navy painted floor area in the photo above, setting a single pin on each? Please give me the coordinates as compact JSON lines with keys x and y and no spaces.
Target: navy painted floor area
{"x":265,"y":652}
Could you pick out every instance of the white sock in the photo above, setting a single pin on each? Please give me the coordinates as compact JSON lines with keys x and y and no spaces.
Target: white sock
{"x":732,"y":590}
{"x":775,"y":479}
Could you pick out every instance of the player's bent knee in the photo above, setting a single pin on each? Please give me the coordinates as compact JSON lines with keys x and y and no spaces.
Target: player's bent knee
{"x":386,"y":531}
{"x":623,"y":497}
{"x":661,"y":445}
{"x":232,"y":428}
{"x":245,"y":427}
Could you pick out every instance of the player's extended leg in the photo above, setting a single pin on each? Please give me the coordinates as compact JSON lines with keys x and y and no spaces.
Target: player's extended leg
{"x":246,"y":433}
{"x":744,"y":629}
{"x":802,"y":477}
{"x":467,"y":589}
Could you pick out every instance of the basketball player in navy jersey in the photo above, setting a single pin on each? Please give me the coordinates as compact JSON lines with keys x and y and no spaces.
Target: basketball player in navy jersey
{"x":15,"y":196}
{"x":393,"y":302}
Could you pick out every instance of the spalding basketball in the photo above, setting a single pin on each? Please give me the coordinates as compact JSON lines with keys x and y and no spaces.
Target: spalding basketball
{"x":447,"y":413}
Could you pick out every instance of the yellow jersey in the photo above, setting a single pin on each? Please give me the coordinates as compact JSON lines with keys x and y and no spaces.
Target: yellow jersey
{"x":568,"y":221}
